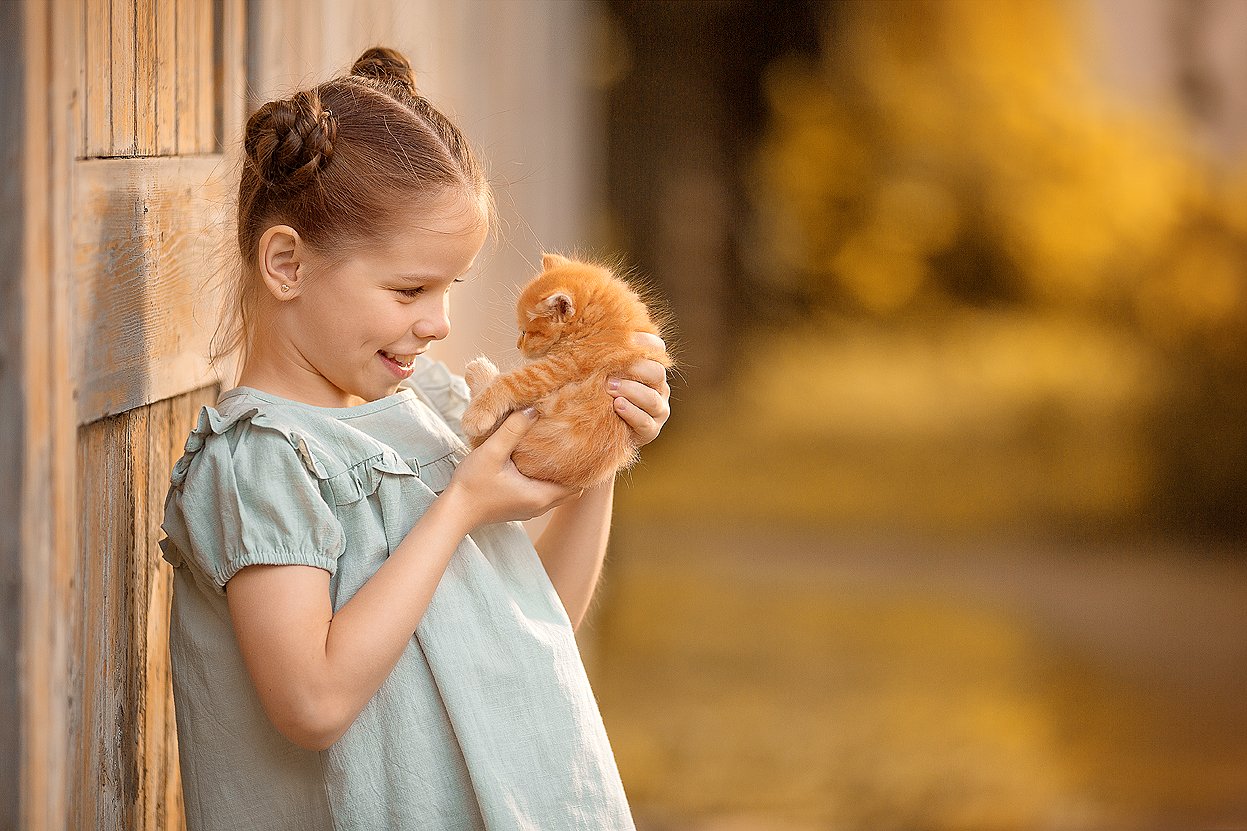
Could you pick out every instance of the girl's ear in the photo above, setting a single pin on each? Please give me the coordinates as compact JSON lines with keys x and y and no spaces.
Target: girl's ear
{"x":559,"y":306}
{"x":549,"y":261}
{"x":279,"y":255}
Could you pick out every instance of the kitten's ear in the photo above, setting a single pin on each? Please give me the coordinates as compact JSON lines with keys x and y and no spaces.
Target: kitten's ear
{"x":549,"y":261}
{"x":559,"y":306}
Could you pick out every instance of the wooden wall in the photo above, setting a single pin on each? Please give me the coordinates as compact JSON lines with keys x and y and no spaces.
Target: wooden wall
{"x":162,"y":98}
{"x":118,"y":187}
{"x":126,"y":756}
{"x":131,"y":109}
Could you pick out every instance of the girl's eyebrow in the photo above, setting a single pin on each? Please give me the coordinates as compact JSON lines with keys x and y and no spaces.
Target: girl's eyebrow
{"x":418,"y":277}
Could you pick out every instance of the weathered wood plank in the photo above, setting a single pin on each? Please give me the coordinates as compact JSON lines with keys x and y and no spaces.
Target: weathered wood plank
{"x":127,"y":738}
{"x":149,"y":236}
{"x":97,"y":107}
{"x":231,"y":92}
{"x":107,"y":535}
{"x":207,"y":78}
{"x":186,"y":83}
{"x":166,"y":67}
{"x":122,"y":77}
{"x":145,"y":79}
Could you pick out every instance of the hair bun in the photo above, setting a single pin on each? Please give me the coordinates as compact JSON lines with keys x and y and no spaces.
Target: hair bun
{"x":291,"y":140}
{"x":388,"y":67}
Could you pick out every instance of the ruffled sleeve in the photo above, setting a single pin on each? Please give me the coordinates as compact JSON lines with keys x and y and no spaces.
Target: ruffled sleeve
{"x":248,"y":492}
{"x":442,"y":390}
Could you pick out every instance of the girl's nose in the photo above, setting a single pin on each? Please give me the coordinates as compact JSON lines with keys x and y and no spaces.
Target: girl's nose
{"x":433,"y":322}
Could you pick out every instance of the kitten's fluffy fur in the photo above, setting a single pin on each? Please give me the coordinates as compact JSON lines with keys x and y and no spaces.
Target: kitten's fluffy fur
{"x":576,"y":322}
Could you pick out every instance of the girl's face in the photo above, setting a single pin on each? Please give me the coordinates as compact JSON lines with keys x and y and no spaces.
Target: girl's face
{"x":354,"y":330}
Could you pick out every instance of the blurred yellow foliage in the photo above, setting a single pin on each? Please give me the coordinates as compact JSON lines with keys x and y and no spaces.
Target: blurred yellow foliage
{"x":926,"y":122}
{"x":953,"y":169}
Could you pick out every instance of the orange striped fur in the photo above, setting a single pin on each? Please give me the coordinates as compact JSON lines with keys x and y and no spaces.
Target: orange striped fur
{"x":576,"y":321}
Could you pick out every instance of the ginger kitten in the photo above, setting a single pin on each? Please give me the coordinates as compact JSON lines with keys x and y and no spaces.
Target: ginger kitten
{"x":576,"y":321}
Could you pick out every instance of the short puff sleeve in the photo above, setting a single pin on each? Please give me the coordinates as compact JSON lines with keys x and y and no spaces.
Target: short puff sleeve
{"x":247,"y":492}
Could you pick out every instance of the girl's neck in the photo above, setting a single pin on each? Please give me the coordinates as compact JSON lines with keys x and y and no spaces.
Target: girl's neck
{"x":296,"y":384}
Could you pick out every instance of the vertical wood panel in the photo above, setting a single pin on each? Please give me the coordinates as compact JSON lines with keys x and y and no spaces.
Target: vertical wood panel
{"x":186,"y":105}
{"x":232,"y":87}
{"x":205,"y":79}
{"x":123,"y":79}
{"x":97,"y":17}
{"x":147,"y":113}
{"x":160,"y":75}
{"x":166,"y":68}
{"x":128,"y":738}
{"x":107,"y":539}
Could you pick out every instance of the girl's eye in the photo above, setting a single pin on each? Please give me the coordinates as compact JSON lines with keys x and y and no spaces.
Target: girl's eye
{"x":419,"y":290}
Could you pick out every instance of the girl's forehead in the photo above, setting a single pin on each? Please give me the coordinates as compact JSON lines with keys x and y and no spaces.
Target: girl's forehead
{"x":439,"y":243}
{"x":453,"y":213}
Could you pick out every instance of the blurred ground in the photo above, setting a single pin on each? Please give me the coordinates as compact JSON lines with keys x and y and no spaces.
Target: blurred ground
{"x":760,"y":679}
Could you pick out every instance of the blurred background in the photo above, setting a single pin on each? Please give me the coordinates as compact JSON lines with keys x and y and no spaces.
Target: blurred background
{"x":948,"y":529}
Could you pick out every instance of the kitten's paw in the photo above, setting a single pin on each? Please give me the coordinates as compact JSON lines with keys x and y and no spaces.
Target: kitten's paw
{"x":478,"y":421}
{"x":479,"y":373}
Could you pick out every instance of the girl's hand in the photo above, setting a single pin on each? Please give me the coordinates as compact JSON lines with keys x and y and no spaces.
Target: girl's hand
{"x":643,"y":398}
{"x":487,"y":487}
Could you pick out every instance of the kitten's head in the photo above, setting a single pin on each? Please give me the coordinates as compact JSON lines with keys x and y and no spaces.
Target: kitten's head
{"x":568,"y":300}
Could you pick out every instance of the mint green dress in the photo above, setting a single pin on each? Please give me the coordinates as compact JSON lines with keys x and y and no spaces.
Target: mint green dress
{"x":486,"y":722}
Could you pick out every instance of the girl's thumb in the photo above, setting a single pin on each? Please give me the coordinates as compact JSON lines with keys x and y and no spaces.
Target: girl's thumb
{"x":509,"y":433}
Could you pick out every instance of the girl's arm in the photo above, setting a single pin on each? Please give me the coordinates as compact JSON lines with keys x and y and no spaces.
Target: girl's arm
{"x":315,"y":670}
{"x":573,"y":544}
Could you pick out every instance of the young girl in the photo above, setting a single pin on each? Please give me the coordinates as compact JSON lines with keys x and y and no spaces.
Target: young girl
{"x":362,"y":635}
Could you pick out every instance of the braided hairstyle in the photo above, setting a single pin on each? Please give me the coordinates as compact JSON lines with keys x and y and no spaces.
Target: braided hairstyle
{"x":341,"y":163}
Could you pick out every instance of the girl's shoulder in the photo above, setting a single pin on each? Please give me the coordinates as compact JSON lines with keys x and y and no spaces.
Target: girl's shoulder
{"x":243,"y":430}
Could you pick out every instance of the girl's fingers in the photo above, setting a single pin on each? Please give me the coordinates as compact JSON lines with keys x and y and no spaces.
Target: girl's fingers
{"x":642,"y":396}
{"x":647,"y":341}
{"x":650,"y":373}
{"x":645,"y":426}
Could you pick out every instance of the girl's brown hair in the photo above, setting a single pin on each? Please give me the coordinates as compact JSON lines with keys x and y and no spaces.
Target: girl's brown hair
{"x":342,"y":163}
